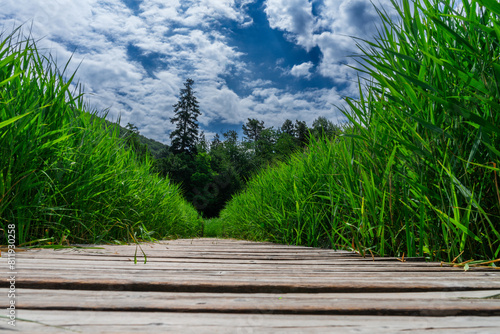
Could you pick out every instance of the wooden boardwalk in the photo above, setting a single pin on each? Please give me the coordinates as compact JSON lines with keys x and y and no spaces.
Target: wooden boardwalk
{"x":229,"y":286}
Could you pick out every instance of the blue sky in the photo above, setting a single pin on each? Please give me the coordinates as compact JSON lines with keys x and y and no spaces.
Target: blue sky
{"x":266,"y":59}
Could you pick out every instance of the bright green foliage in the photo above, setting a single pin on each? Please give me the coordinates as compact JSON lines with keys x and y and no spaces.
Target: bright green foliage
{"x":64,"y":172}
{"x":280,"y":202}
{"x":417,"y":172}
{"x":285,"y":145}
{"x":214,"y":228}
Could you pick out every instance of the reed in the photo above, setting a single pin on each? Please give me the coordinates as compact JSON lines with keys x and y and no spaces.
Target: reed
{"x":416,"y":171}
{"x":65,"y":175}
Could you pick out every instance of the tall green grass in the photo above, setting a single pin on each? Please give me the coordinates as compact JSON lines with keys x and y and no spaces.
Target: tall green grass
{"x":64,"y":172}
{"x":416,"y":172}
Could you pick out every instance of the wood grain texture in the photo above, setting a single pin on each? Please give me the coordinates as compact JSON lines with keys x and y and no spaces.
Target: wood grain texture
{"x":230,"y":286}
{"x":423,"y":304}
{"x":96,"y":322}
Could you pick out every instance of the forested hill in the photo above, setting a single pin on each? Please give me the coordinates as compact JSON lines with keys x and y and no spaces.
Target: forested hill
{"x":155,"y":147}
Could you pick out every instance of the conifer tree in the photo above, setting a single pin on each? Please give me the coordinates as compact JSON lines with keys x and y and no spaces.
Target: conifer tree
{"x":185,"y":136}
{"x":252,"y":129}
{"x":215,"y":142}
{"x":288,"y":128}
{"x":301,"y":132}
{"x":202,"y":144}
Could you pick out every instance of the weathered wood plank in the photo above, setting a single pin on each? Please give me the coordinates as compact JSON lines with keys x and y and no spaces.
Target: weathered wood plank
{"x":298,"y":262}
{"x":282,"y":270}
{"x":270,"y":274}
{"x":481,"y":303}
{"x":212,"y":246}
{"x":238,"y":268}
{"x":214,"y":285}
{"x":333,"y":270}
{"x":443,"y":295}
{"x":227,"y":257}
{"x":221,"y":284}
{"x":188,"y":269}
{"x":200,"y":323}
{"x":327,"y":278}
{"x":111,"y":269}
{"x":295,"y":255}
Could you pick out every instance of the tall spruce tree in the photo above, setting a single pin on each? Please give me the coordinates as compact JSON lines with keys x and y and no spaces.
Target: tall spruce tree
{"x":185,"y":135}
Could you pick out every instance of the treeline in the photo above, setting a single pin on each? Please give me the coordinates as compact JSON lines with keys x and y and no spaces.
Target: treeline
{"x":211,"y":172}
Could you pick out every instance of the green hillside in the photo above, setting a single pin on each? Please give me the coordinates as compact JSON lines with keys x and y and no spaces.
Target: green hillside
{"x":154,"y":147}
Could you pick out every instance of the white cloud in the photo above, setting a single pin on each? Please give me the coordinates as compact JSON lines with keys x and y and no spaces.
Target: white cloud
{"x":294,"y":17}
{"x":302,"y":70}
{"x":194,"y":13}
{"x":257,"y":83}
{"x":331,"y":29}
{"x":176,"y":31}
{"x":221,"y":103}
{"x":186,"y":39}
{"x":274,"y":106}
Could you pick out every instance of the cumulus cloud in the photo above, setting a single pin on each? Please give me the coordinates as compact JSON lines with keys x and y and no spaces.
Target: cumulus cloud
{"x":274,"y":106}
{"x":331,"y":28}
{"x":302,"y":70}
{"x":134,"y":56}
{"x":294,"y":17}
{"x":99,"y":34}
